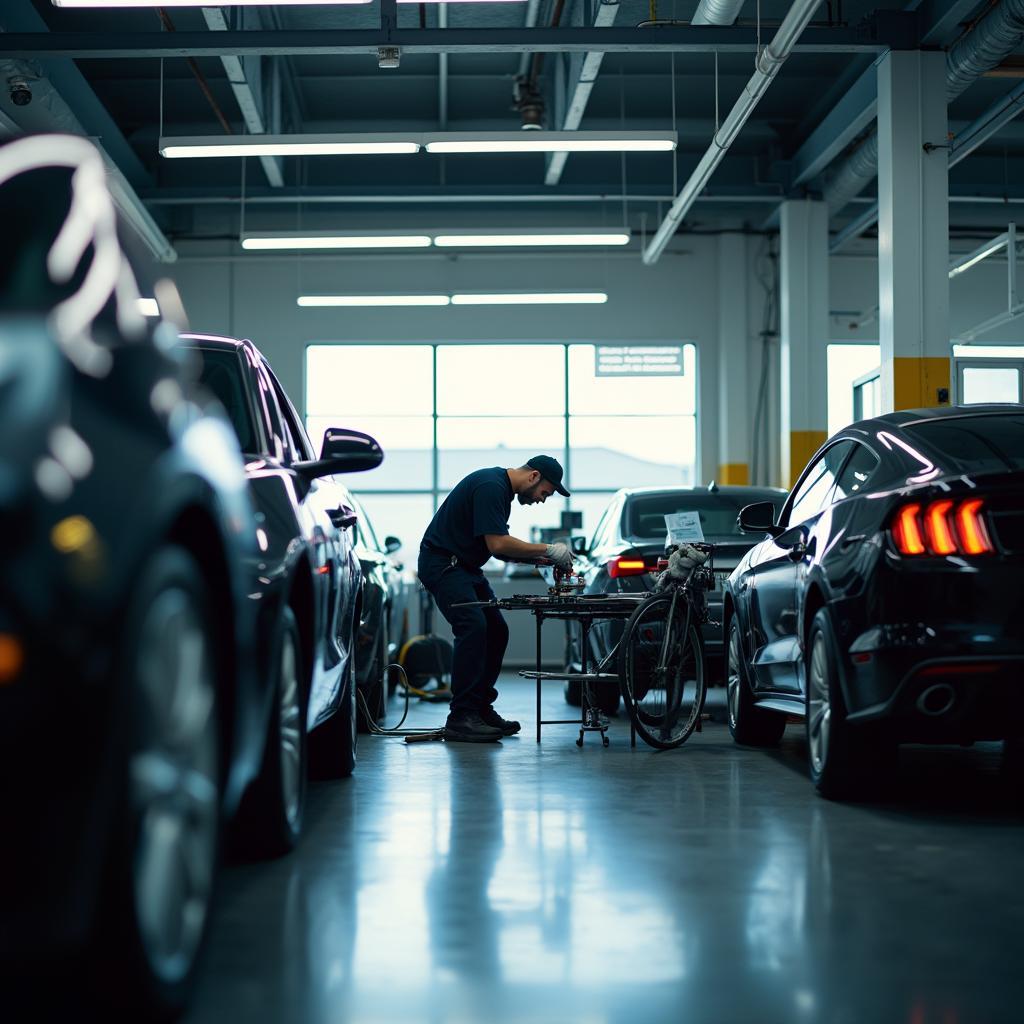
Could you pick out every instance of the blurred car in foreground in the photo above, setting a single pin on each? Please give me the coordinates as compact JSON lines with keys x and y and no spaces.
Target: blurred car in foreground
{"x":626,"y":545}
{"x":309,"y":581}
{"x":885,"y":604}
{"x":130,"y":714}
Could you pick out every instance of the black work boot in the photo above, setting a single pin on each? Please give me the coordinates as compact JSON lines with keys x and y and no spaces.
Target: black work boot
{"x":507,"y":727}
{"x":469,"y":727}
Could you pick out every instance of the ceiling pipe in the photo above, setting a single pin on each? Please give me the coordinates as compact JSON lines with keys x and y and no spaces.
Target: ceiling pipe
{"x":717,"y":12}
{"x":769,"y":62}
{"x":981,"y":49}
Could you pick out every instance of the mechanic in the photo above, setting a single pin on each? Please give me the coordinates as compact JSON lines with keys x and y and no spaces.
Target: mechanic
{"x":469,"y":527}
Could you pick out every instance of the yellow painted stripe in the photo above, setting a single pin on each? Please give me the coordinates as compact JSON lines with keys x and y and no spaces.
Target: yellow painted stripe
{"x":916,"y":382}
{"x":736,"y":473}
{"x":802,"y":445}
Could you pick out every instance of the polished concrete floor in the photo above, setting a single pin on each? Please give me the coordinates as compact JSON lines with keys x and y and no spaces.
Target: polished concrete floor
{"x":517,"y":882}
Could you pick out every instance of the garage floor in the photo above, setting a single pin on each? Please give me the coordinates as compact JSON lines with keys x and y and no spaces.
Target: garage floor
{"x":544,"y":883}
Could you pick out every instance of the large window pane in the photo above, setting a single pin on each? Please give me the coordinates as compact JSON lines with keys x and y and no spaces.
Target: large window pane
{"x":845,"y":364}
{"x":632,"y":451}
{"x":407,"y":442}
{"x":473,"y":443}
{"x":367,"y":380}
{"x":500,"y":380}
{"x":404,"y":516}
{"x":592,"y":395}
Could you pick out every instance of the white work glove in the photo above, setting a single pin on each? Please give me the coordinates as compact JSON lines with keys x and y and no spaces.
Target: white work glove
{"x":560,"y":555}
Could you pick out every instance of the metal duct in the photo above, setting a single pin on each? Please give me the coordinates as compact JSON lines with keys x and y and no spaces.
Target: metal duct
{"x":989,"y":42}
{"x":717,"y":12}
{"x":769,"y":62}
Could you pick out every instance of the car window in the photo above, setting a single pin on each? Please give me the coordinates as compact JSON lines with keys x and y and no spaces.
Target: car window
{"x":644,"y":515}
{"x":222,"y":374}
{"x":364,"y":526}
{"x":860,"y":468}
{"x":602,"y":527}
{"x":291,"y":420}
{"x":281,"y":443}
{"x":974,"y":444}
{"x":815,"y":490}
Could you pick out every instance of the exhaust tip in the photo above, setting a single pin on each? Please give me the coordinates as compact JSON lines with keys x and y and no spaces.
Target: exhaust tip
{"x":936,"y":700}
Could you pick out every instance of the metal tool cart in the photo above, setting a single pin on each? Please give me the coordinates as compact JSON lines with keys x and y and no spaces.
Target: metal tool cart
{"x":658,"y":662}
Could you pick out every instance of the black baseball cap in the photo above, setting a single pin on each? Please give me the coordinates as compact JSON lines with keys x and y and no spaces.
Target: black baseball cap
{"x":550,"y":469}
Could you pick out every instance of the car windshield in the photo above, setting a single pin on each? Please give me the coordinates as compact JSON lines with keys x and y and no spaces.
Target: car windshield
{"x":975,"y":444}
{"x":644,"y":515}
{"x":222,"y":374}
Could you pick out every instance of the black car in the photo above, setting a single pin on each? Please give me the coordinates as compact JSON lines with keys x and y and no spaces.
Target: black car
{"x":378,"y":623}
{"x":308,"y":578}
{"x":885,"y":604}
{"x":626,"y":545}
{"x":131,"y":717}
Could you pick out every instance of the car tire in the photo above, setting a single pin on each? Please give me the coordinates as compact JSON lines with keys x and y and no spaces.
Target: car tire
{"x":161,"y":870}
{"x":845,"y":762}
{"x":605,"y":694}
{"x":332,"y":744}
{"x":573,"y":690}
{"x":749,"y":725}
{"x":1013,"y":771}
{"x":373,"y":705}
{"x":270,"y":819}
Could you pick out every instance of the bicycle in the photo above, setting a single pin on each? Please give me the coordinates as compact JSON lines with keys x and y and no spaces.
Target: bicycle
{"x":661,"y":664}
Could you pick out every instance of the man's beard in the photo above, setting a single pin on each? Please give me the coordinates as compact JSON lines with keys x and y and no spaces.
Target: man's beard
{"x":530,"y":496}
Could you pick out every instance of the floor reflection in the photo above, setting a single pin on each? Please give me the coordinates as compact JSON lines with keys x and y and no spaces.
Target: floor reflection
{"x":543,"y":883}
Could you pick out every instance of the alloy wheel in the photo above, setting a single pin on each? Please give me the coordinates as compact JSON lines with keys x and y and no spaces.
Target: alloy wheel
{"x":819,"y":708}
{"x":290,"y":711}
{"x":173,"y":783}
{"x":733,"y":683}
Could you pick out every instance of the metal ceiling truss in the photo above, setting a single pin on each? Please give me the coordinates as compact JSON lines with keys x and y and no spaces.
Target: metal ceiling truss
{"x":885,"y":30}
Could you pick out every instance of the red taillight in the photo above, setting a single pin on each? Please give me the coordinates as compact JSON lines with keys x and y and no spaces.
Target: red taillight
{"x":906,"y":531}
{"x":971,"y":527}
{"x":943,"y":528}
{"x":939,"y":529}
{"x":621,"y":566}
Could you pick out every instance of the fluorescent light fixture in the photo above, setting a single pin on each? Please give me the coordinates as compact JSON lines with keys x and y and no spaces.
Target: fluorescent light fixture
{"x":148,"y":307}
{"x":378,"y":143}
{"x":532,"y":238}
{"x":962,"y":263}
{"x":550,"y":142}
{"x":373,"y":300}
{"x":204,"y":3}
{"x":529,"y":299}
{"x":361,"y":144}
{"x":284,"y":240}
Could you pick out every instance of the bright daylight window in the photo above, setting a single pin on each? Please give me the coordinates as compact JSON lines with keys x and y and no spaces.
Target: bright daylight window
{"x":498,"y":405}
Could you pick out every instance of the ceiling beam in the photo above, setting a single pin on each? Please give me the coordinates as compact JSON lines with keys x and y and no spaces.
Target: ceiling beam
{"x":244,"y":76}
{"x":870,"y":38}
{"x":942,"y":20}
{"x":583,"y":75}
{"x":843,"y":123}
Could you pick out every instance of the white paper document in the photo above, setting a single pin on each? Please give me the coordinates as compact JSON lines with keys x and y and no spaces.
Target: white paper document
{"x":684,"y":528}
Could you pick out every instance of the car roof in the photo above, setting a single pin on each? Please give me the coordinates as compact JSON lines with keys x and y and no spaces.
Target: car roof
{"x":218,"y":341}
{"x":910,"y":417}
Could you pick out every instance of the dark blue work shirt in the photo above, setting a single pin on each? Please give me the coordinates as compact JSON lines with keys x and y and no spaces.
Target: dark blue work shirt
{"x":478,"y":505}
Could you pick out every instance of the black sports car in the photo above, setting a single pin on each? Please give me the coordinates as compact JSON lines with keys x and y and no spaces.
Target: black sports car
{"x":626,"y":545}
{"x":131,"y":719}
{"x":886,"y":602}
{"x":308,"y":583}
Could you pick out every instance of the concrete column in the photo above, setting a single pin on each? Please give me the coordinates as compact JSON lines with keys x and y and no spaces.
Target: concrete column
{"x":805,"y":325}
{"x":913,"y":230}
{"x":734,"y":370}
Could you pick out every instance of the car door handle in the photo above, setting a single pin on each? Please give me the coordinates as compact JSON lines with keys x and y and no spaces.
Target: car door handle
{"x":343,"y":517}
{"x":848,"y":542}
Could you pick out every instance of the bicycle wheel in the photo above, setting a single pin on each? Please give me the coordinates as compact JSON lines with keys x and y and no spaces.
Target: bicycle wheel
{"x":661,"y":671}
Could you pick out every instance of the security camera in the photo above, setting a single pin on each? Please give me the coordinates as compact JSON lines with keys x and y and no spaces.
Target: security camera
{"x":21,"y":94}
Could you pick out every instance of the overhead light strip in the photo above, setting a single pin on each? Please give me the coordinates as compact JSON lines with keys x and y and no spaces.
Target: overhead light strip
{"x":391,"y":143}
{"x":285,"y":240}
{"x":209,"y":3}
{"x":458,"y":299}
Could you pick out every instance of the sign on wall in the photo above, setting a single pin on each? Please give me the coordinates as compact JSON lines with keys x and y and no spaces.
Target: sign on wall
{"x":638,"y":360}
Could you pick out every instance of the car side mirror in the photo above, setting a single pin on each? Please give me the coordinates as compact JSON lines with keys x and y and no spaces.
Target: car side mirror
{"x":392,"y":544}
{"x":759,"y":518}
{"x":343,"y":451}
{"x":578,"y":546}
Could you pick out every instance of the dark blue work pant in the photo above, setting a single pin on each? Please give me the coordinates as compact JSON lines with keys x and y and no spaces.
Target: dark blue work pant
{"x":481,"y":634}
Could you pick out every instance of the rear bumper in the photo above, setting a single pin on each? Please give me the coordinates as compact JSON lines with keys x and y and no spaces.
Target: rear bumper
{"x":953,"y":669}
